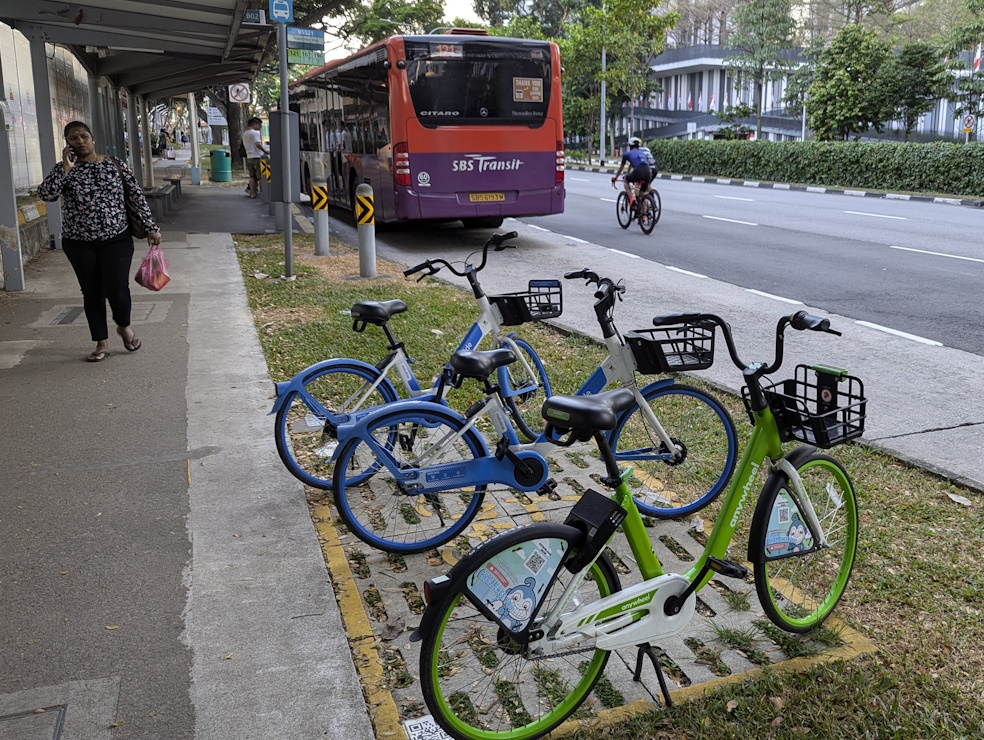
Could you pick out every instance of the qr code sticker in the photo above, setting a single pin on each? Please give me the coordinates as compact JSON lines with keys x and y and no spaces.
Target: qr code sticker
{"x":424,"y":728}
{"x":535,"y":562}
{"x":782,"y":515}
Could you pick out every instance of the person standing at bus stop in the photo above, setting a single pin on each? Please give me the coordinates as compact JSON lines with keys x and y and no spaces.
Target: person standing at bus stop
{"x":96,"y":232}
{"x":253,"y":143}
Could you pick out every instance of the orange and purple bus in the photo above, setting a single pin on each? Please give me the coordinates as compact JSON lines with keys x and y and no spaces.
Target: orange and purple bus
{"x":442,"y":126}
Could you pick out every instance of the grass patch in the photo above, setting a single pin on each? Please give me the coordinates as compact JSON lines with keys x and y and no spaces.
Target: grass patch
{"x":742,"y":641}
{"x":917,"y":589}
{"x":357,"y":561}
{"x":801,"y":645}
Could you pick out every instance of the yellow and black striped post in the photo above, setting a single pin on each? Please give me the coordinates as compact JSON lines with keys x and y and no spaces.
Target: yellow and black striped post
{"x":319,"y":201}
{"x":365,"y":218}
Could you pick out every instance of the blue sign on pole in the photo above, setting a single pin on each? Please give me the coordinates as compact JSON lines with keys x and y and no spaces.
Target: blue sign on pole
{"x":282,"y":11}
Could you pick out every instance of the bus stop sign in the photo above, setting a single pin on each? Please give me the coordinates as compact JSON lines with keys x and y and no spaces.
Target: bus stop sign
{"x":282,"y":11}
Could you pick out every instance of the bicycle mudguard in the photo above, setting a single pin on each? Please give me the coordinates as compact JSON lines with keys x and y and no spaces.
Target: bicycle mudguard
{"x":296,"y":383}
{"x":504,"y":577}
{"x":787,"y":533}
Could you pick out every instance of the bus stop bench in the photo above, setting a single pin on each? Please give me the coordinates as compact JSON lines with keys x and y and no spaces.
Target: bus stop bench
{"x":159,"y":199}
{"x":173,"y":175}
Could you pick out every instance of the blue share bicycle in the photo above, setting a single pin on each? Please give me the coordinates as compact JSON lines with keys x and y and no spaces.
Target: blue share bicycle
{"x":310,"y":407}
{"x":516,"y":635}
{"x":411,"y":475}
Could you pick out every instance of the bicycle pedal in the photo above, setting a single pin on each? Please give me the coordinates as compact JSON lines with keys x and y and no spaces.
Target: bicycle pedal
{"x":548,"y":487}
{"x":727,"y":568}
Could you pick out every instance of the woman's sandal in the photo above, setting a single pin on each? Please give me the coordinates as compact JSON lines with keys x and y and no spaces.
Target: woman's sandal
{"x":97,"y":355}
{"x":131,"y":346}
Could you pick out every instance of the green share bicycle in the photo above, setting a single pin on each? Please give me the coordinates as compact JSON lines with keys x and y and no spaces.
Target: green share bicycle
{"x":518,"y":632}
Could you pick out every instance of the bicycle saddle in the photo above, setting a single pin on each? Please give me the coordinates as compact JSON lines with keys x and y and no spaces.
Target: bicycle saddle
{"x":377,"y":312}
{"x":587,"y":413}
{"x":472,"y":364}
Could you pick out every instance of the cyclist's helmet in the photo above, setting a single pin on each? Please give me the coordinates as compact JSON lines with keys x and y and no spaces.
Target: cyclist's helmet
{"x":635,"y":141}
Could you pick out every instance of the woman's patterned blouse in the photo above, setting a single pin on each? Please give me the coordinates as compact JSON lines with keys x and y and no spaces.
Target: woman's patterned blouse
{"x":93,"y":193}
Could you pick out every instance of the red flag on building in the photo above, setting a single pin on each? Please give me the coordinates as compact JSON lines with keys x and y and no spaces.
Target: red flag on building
{"x":690,"y":101}
{"x":977,"y":59}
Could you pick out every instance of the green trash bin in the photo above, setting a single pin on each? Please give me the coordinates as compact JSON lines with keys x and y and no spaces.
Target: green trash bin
{"x":221,"y":165}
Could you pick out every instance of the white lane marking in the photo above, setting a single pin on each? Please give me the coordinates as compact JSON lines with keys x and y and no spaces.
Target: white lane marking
{"x":575,"y":239}
{"x":609,"y":200}
{"x":731,"y":220}
{"x":539,"y":228}
{"x":876,"y":215}
{"x":624,"y":254}
{"x":938,"y":254}
{"x":731,"y":197}
{"x":685,"y":272}
{"x":774,"y":297}
{"x":579,"y":179}
{"x":896,"y":332}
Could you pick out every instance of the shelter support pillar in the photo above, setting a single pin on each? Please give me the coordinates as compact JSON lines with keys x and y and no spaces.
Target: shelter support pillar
{"x":50,"y":152}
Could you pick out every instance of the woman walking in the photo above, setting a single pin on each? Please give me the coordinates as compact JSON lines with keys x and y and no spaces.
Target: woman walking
{"x":95,"y":231}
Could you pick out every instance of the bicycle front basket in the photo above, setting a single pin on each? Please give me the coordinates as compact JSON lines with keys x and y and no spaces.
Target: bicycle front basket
{"x":820,"y":406}
{"x":543,"y":300}
{"x":673,"y":349}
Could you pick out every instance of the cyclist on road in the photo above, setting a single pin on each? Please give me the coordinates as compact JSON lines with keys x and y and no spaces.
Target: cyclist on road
{"x":639,"y":169}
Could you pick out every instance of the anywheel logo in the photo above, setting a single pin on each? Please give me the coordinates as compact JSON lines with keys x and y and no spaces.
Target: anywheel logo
{"x":485,"y":163}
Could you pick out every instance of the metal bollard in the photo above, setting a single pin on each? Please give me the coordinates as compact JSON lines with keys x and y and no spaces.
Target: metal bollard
{"x":319,"y":201}
{"x":365,"y":218}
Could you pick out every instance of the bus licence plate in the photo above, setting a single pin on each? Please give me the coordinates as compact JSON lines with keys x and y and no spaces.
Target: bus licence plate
{"x":486,"y":197}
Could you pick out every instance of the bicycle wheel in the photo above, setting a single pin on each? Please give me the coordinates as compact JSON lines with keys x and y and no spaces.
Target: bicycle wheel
{"x":647,"y":215}
{"x":798,"y":585}
{"x":623,"y":211}
{"x":525,"y":407}
{"x":657,"y":204}
{"x":303,"y":430}
{"x":379,"y":509}
{"x":664,"y":485}
{"x":478,"y":683}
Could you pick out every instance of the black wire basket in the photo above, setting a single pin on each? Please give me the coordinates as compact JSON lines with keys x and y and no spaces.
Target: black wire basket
{"x":672,"y":349}
{"x":543,"y":300}
{"x":821,"y":406}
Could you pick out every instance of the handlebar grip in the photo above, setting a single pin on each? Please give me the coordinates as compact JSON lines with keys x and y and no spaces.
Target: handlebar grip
{"x":802,"y":320}
{"x":575,"y":274}
{"x":411,"y":270}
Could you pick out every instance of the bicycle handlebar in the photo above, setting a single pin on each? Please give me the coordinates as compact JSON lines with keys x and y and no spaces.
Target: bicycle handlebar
{"x":436,"y":265}
{"x":801,"y":321}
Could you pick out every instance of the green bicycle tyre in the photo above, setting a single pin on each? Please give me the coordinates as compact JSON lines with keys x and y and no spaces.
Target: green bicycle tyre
{"x":478,"y":688}
{"x":799,"y":592}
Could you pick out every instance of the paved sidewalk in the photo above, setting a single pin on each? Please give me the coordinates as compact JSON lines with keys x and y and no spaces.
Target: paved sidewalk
{"x":161,"y":574}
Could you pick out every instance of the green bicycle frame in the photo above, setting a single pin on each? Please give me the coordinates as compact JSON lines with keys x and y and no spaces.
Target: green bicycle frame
{"x":763,"y":443}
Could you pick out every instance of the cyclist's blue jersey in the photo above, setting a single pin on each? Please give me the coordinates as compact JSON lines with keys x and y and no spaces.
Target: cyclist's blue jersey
{"x":635,"y":157}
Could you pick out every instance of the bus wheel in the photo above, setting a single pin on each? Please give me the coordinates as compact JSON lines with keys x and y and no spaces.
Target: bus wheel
{"x":308,"y":190}
{"x":352,"y":186}
{"x":489,"y":222}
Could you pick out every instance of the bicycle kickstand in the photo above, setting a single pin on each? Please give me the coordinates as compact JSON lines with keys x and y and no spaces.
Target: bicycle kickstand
{"x":644,"y":650}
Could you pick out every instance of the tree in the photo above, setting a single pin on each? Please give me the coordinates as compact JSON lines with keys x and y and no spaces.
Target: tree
{"x":843,"y":99}
{"x":763,"y":30}
{"x":382,"y":18}
{"x":970,"y":87}
{"x":911,"y":82}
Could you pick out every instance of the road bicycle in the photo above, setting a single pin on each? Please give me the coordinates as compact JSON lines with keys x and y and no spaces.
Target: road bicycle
{"x":411,"y":476}
{"x":644,"y":209}
{"x":310,"y":407}
{"x":517,"y":633}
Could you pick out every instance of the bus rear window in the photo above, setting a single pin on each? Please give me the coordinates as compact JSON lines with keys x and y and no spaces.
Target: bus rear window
{"x":478,"y":82}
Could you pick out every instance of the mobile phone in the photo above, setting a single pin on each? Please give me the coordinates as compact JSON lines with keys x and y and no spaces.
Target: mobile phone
{"x":71,"y":156}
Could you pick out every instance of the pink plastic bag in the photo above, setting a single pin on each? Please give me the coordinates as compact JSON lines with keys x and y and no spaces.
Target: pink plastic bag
{"x":152,"y":273}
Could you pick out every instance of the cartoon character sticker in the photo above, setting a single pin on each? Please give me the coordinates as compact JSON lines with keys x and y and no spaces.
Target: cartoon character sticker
{"x":788,"y":532}
{"x":511,"y":582}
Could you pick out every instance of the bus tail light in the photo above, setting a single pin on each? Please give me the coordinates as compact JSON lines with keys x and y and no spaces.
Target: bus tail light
{"x":401,"y":164}
{"x":561,"y":162}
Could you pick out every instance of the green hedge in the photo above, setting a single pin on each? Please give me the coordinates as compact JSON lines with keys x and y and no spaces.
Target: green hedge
{"x":940,"y":167}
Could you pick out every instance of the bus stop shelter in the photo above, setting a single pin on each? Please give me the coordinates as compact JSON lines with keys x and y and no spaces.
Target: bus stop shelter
{"x":138,"y":51}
